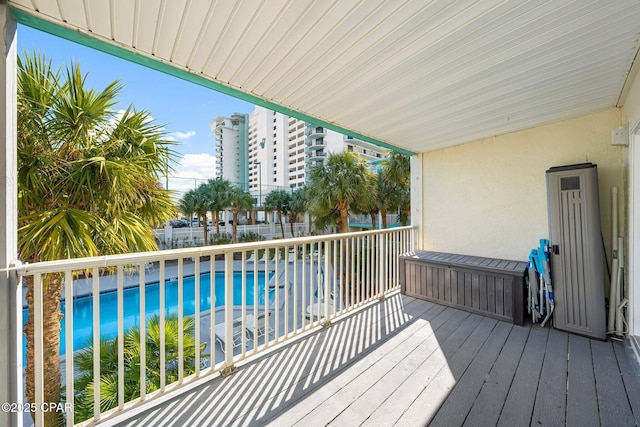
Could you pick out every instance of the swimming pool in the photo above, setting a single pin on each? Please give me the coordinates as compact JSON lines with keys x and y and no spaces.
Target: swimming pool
{"x":83,"y":306}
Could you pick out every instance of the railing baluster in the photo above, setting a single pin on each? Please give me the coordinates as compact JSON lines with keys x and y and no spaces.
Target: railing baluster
{"x":319,"y":282}
{"x":38,"y":349}
{"x":256,"y":318}
{"x":120,"y":297}
{"x":357,"y":269}
{"x":336,"y":270}
{"x":95,"y":274}
{"x":312,"y":278}
{"x":303,"y":274}
{"x":243,"y":293}
{"x":212,"y":311}
{"x":371,"y":268}
{"x":196,"y":296}
{"x":381,"y":271}
{"x":286,"y":291}
{"x":229,"y":368}
{"x":350,"y":271}
{"x":327,"y":291}
{"x":143,"y":333}
{"x":180,"y":319}
{"x":295,"y":289}
{"x":162,"y":308}
{"x":68,"y":319}
{"x":267,"y":303}
{"x":276,"y":291}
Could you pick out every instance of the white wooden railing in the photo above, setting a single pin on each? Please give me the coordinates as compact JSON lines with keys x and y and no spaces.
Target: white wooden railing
{"x":309,"y":281}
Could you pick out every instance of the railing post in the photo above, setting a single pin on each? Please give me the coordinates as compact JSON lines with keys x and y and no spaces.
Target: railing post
{"x":11,"y":390}
{"x":38,"y":349}
{"x":228,"y":315}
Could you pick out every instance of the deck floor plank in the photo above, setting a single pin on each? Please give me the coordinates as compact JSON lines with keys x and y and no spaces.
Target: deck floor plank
{"x":488,"y":405}
{"x":613,"y":404}
{"x":355,"y":402}
{"x":551,"y":399}
{"x":363,"y":380}
{"x":630,"y":379}
{"x":302,"y":400}
{"x":425,"y":406}
{"x":409,"y":362}
{"x":582,"y":408}
{"x":518,"y":405}
{"x":455,"y":408}
{"x":406,"y":392}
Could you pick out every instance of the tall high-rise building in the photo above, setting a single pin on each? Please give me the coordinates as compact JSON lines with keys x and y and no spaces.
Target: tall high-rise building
{"x":267,"y":151}
{"x":297,"y":154}
{"x":232,"y":148}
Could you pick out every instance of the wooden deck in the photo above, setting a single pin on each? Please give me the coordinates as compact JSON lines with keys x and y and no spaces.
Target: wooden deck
{"x":409,"y":362}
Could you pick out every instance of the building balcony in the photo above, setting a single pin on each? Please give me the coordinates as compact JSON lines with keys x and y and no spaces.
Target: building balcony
{"x":317,"y":156}
{"x":315,"y":132}
{"x":314,"y":147}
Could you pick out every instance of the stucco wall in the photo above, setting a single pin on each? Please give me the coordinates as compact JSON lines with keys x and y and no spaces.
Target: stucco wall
{"x":489,"y":198}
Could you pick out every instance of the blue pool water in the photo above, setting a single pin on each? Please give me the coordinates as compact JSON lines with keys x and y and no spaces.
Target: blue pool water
{"x":83,"y":306}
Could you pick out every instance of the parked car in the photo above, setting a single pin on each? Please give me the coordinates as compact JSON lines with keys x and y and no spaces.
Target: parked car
{"x":178,"y":223}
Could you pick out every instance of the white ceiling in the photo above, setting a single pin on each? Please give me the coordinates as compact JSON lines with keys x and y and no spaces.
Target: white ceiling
{"x":414,"y":74}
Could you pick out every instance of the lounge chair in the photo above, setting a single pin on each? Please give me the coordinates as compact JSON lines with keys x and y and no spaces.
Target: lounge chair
{"x":279,"y":280}
{"x":258,"y":325}
{"x":313,"y":309}
{"x":238,"y":331}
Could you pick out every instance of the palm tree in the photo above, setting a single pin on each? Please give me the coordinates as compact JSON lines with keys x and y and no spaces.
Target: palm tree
{"x":297,"y":206}
{"x":188,"y":205}
{"x":394,"y":187}
{"x":335,"y":186}
{"x":388,"y":191}
{"x":369,"y":203}
{"x":87,"y":185}
{"x":83,"y":362}
{"x":238,"y":200}
{"x":398,"y":167}
{"x":217,"y":195}
{"x":404,"y":203}
{"x":278,"y":200}
{"x":197,"y":202}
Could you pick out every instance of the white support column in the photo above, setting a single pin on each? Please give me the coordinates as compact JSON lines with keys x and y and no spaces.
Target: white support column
{"x":416,"y":197}
{"x":633,"y":258}
{"x":11,"y":390}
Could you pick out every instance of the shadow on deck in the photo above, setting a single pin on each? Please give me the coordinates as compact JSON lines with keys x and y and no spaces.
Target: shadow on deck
{"x":409,"y":362}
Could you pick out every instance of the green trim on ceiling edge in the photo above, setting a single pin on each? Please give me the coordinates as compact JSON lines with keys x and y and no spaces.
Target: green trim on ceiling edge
{"x":164,"y":67}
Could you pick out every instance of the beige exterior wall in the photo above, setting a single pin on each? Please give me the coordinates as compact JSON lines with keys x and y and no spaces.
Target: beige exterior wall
{"x":488,"y":197}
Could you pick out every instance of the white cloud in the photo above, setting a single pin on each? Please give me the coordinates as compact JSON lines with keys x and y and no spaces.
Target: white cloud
{"x":192,"y":170}
{"x":183,"y":136}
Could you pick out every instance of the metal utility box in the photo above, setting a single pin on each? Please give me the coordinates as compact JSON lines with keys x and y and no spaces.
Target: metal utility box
{"x":577,"y":273}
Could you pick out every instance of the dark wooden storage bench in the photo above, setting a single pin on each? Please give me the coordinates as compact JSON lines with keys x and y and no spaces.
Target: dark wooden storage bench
{"x":487,"y":286}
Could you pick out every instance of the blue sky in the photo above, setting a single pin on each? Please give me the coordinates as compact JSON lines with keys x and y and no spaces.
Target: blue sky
{"x":185,"y":109}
